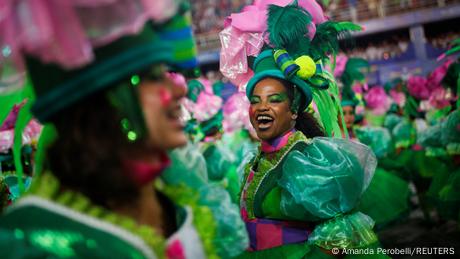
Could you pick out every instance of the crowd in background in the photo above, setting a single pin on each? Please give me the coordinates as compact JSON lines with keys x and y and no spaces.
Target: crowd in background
{"x":389,"y":48}
{"x":209,"y":15}
{"x":363,"y":10}
{"x":444,"y":40}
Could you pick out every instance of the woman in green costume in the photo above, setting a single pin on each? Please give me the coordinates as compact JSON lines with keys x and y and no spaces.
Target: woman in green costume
{"x":111,"y":112}
{"x":300,"y":192}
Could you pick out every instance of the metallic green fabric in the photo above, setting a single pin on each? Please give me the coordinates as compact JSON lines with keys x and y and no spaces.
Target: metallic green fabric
{"x":37,"y":232}
{"x":319,"y":180}
{"x":377,"y":138}
{"x":382,"y":205}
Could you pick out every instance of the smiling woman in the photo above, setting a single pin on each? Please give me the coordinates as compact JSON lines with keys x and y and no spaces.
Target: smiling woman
{"x":300,"y":192}
{"x":301,"y":184}
{"x":111,"y":110}
{"x":272,"y":112}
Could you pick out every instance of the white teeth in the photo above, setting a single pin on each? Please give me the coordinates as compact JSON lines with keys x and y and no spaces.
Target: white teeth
{"x":263,"y":117}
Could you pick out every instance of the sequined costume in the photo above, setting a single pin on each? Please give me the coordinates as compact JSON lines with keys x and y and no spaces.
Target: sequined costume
{"x":300,"y":194}
{"x":51,"y":222}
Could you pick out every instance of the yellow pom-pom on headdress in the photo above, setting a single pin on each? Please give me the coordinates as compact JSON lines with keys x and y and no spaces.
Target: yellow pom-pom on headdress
{"x":307,"y":67}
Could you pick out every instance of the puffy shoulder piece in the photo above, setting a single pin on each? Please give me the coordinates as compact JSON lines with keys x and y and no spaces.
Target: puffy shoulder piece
{"x":188,"y":167}
{"x":378,"y":138}
{"x":328,"y":176}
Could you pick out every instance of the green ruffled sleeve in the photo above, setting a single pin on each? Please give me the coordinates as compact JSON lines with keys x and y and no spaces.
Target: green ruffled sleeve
{"x":219,"y":160}
{"x":231,"y":236}
{"x":377,"y":138}
{"x":324,"y":181}
{"x":404,"y":134}
{"x":217,"y":219}
{"x":391,"y":120}
{"x":187,"y":166}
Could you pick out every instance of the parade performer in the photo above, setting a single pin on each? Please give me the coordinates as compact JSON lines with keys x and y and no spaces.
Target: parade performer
{"x":300,"y":192}
{"x":378,"y":202}
{"x":350,"y":71}
{"x":111,"y":113}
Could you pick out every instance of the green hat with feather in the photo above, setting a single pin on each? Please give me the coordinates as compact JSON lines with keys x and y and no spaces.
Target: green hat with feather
{"x":293,"y":56}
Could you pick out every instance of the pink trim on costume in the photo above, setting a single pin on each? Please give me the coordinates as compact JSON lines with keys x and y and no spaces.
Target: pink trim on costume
{"x":276,"y":144}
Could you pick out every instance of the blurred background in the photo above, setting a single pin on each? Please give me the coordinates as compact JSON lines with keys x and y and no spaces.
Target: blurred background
{"x":401,"y":37}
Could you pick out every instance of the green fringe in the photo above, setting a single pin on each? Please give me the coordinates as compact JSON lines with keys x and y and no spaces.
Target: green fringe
{"x":48,"y":187}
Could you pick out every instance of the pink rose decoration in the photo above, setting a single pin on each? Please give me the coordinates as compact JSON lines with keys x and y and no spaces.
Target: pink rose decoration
{"x":417,"y":87}
{"x":207,"y":105}
{"x":377,"y":100}
{"x":359,"y":88}
{"x":398,"y":97}
{"x":440,"y":98}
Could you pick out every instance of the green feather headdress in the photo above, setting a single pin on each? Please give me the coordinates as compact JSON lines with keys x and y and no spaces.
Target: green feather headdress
{"x":327,"y":37}
{"x":288,"y":29}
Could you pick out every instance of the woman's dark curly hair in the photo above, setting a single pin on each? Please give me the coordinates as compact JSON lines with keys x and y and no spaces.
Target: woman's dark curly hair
{"x":305,"y":121}
{"x":88,"y":154}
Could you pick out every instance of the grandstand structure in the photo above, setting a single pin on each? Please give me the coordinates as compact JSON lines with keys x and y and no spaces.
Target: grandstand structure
{"x":400,"y":37}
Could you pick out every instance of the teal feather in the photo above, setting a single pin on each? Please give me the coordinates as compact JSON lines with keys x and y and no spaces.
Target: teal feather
{"x":287,"y":28}
{"x":327,"y":37}
{"x":355,"y":70}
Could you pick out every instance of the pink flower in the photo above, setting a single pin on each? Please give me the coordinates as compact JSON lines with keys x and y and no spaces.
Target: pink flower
{"x":398,"y":97}
{"x":359,"y":88}
{"x":377,"y":100}
{"x":417,"y":87}
{"x":175,"y":250}
{"x":440,"y":98}
{"x":359,"y":110}
{"x":207,"y":105}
